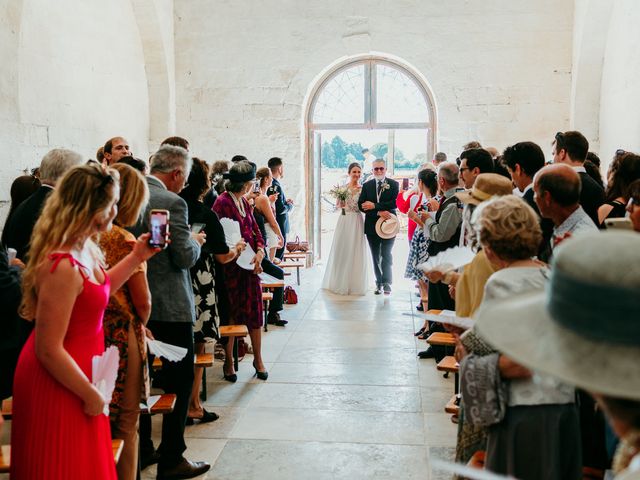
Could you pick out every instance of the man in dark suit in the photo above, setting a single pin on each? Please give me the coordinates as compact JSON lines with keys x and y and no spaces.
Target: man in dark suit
{"x":571,"y":148}
{"x":173,"y":312}
{"x":378,"y":200}
{"x":523,"y":161}
{"x":20,"y":226}
{"x":283,"y":205}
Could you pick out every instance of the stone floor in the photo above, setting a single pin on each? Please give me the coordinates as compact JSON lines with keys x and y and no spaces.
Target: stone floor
{"x":346,"y":397}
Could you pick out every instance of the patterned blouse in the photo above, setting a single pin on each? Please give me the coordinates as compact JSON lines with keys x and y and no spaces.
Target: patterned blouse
{"x":117,"y":244}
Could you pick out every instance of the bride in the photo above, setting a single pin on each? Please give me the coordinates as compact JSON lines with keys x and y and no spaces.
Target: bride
{"x":348,"y":268}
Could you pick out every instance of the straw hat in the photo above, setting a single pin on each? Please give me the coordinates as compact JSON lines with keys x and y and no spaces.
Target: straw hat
{"x":388,"y":228}
{"x":585,"y":327}
{"x":486,"y":186}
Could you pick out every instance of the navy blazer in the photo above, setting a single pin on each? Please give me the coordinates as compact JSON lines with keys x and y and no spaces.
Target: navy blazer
{"x":387,"y":202}
{"x":282,"y":207}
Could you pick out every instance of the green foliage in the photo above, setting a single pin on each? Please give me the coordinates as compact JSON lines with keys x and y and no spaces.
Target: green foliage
{"x":339,"y":154}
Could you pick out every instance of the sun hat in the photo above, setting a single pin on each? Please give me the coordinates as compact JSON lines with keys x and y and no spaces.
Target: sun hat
{"x":584,"y":328}
{"x":387,"y":228}
{"x":486,"y":186}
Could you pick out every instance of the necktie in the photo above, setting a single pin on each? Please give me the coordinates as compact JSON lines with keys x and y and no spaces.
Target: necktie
{"x":379,"y":187}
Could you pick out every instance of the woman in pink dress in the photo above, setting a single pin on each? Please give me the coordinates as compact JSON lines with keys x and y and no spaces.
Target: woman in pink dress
{"x":59,"y":430}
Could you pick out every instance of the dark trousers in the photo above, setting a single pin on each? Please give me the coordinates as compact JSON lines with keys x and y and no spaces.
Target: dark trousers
{"x":177,"y":377}
{"x":382,"y":259}
{"x":281,"y":220}
{"x":439,"y":299}
{"x":278,"y":293}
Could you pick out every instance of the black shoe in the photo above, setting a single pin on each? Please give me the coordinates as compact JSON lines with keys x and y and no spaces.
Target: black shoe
{"x":260,"y":375}
{"x":387,"y":289}
{"x":150,"y":459}
{"x":419,"y":308}
{"x":428,"y":353}
{"x":184,"y":469}
{"x":274,"y":319}
{"x":378,"y":290}
{"x":206,"y":417}
{"x":419,"y":332}
{"x":233,"y":378}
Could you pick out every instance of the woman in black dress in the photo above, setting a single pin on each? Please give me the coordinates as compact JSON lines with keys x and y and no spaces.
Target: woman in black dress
{"x":206,"y":279}
{"x":624,"y":169}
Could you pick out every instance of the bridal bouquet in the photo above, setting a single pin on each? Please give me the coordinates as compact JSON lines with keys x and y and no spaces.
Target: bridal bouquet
{"x":341,"y":194}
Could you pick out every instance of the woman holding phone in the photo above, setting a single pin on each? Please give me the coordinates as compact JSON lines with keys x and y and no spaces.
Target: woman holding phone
{"x":57,"y":411}
{"x":243,"y":286}
{"x":207,"y":281}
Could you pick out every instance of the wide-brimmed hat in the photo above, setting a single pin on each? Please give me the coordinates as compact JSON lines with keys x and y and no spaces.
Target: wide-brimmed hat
{"x":388,"y":228}
{"x":584,"y":328}
{"x":487,"y":185}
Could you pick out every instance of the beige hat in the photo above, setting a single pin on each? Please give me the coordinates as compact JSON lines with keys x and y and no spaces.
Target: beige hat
{"x":487,"y":185}
{"x":585,"y":328}
{"x":388,"y":228}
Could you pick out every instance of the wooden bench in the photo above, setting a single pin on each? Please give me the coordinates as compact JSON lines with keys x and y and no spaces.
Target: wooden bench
{"x":234,"y":332}
{"x":306,"y":256}
{"x":453,"y":405}
{"x":449,"y":364}
{"x":266,"y":298}
{"x":7,"y":406}
{"x":5,"y":454}
{"x":442,"y":338}
{"x":165,"y":404}
{"x":204,"y":360}
{"x":296,"y":265}
{"x":477,"y":460}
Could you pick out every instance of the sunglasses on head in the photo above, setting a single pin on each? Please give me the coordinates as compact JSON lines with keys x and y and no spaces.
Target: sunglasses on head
{"x":378,"y":169}
{"x":620,"y":152}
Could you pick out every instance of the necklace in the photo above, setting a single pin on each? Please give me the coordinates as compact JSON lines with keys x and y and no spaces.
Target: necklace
{"x":239,"y":205}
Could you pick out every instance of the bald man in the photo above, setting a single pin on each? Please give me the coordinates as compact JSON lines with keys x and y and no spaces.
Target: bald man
{"x":557,"y":193}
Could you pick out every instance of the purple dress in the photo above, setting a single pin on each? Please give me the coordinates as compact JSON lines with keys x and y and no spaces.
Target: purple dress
{"x":242,"y":286}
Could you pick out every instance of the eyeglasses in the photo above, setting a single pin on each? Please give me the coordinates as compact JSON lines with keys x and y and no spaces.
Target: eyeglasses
{"x":378,"y":169}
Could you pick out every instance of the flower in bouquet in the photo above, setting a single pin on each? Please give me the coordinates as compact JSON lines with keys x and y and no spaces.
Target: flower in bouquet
{"x":341,"y":194}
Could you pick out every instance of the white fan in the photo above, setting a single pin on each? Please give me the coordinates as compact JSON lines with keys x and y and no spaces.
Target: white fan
{"x":231,"y":229}
{"x":451,"y":259}
{"x":104,"y":371}
{"x":169,"y":352}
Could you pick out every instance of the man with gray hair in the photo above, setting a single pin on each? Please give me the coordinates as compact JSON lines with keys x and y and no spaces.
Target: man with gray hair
{"x":173,"y":312}
{"x":439,"y":158}
{"x":20,"y":226}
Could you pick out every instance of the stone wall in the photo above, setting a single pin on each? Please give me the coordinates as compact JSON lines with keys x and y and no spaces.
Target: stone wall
{"x":500,"y":70}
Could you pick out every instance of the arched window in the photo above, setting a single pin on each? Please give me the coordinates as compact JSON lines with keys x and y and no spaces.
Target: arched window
{"x":366,"y":103}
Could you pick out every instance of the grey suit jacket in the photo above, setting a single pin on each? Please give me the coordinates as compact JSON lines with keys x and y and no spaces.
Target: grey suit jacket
{"x":168,"y":271}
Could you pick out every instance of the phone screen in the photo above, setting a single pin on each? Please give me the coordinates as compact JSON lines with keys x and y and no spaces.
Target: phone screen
{"x":159,"y":226}
{"x":256,"y":186}
{"x":405,"y":184}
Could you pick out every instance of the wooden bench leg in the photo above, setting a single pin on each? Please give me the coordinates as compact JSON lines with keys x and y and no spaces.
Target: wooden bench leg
{"x":203,"y":392}
{"x":266,"y":315}
{"x":298,"y":275}
{"x":456,"y":385}
{"x":235,"y":353}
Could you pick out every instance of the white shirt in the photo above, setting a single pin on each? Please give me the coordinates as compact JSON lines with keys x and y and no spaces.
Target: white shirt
{"x":577,"y":222}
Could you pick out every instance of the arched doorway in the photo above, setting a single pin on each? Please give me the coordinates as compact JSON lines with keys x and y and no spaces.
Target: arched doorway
{"x":369,"y":102}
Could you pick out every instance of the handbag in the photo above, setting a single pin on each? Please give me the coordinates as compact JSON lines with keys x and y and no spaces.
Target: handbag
{"x":298,"y":246}
{"x":290,"y":296}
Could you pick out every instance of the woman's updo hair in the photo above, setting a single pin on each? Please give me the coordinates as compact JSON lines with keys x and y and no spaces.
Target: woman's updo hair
{"x":353,"y":165}
{"x":240,"y":169}
{"x":198,"y":182}
{"x":429,"y":179}
{"x":508,"y":226}
{"x":263,"y":175}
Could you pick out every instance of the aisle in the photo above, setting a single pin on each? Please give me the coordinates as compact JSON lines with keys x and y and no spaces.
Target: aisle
{"x":346,"y":397}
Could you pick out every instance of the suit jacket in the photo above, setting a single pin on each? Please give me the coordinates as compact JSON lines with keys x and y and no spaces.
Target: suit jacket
{"x":20,"y":225}
{"x":591,"y":196}
{"x":168,"y":271}
{"x":282,"y":207}
{"x":387,"y":202}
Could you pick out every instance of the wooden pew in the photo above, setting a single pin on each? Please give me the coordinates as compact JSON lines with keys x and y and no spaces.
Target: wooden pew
{"x":296,"y":265}
{"x":266,"y":298}
{"x":7,"y":406}
{"x":449,"y":364}
{"x":234,"y":332}
{"x":5,"y":454}
{"x":453,"y":405}
{"x":204,"y":360}
{"x":441,"y":338}
{"x":165,"y":404}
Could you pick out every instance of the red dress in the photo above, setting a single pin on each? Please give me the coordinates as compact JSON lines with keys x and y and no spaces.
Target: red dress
{"x":404,"y":206}
{"x":51,"y":436}
{"x":243,"y":286}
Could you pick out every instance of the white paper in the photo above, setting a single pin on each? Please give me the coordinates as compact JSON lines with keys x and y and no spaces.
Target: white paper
{"x":231,"y":229}
{"x":151,"y":401}
{"x":266,"y":278}
{"x":171,"y":353}
{"x":104,"y":371}
{"x":451,"y":259}
{"x":244,"y":260}
{"x":467,"y":472}
{"x":462,"y":322}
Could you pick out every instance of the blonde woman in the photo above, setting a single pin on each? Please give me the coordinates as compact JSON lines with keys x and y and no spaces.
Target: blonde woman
{"x":124,"y":320}
{"x":264,"y":207}
{"x":57,"y":412}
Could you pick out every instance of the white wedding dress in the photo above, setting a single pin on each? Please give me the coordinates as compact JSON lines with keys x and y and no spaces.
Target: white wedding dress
{"x":348,"y":269}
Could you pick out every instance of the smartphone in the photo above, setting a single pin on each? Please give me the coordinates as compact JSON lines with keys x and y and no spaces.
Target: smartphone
{"x":405,"y":184}
{"x":159,"y":227}
{"x":271,"y":190}
{"x":619,"y":223}
{"x":198,"y":227}
{"x":256,"y":186}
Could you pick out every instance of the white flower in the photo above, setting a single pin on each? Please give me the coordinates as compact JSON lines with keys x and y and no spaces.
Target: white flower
{"x":204,"y":278}
{"x":204,"y":317}
{"x":211,"y":298}
{"x":197,"y":299}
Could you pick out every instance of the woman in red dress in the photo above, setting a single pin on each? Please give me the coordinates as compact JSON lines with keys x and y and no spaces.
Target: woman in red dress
{"x":243,"y":286}
{"x":59,"y":430}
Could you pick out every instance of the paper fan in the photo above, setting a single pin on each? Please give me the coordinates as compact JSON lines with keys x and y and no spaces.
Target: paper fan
{"x":231,"y":229}
{"x":446,"y":316}
{"x":104,"y":371}
{"x":169,"y":352}
{"x":451,"y":259}
{"x":244,"y":260}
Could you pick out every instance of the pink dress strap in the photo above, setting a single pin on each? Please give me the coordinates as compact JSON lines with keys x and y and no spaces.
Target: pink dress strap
{"x":57,"y":257}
